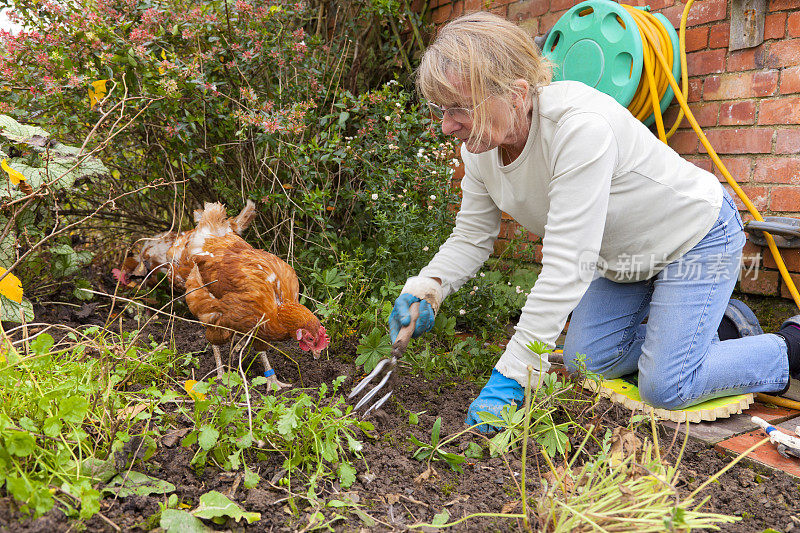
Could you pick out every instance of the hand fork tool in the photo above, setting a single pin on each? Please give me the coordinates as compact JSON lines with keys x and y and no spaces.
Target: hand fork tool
{"x":385,"y":367}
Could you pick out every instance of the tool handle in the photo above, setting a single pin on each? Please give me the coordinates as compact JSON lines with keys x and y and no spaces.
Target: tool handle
{"x":404,"y":336}
{"x":776,"y":228}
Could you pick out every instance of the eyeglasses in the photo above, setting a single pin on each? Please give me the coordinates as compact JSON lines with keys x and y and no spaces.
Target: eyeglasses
{"x":459,"y":114}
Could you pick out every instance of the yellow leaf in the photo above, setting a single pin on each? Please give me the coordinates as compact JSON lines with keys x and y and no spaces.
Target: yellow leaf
{"x":189,"y":385}
{"x":97,"y":90}
{"x":10,"y":286}
{"x":14,"y":175}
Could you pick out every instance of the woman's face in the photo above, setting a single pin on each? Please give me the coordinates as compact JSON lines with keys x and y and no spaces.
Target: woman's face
{"x":500,"y":127}
{"x":498,"y":130}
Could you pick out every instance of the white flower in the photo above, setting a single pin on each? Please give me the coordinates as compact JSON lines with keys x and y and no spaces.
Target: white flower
{"x":482,"y":275}
{"x":392,"y":82}
{"x":474,"y":287}
{"x":456,"y":162}
{"x":425,"y":249}
{"x":471,"y":293}
{"x":462,"y":312}
{"x":374,"y":196}
{"x":397,"y":104}
{"x":518,"y":290}
{"x":388,"y":118}
{"x":403,"y":204}
{"x":433,"y":197}
{"x":430,"y":207}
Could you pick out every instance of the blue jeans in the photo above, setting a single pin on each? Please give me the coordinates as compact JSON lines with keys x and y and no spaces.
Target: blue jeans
{"x":679,"y":356}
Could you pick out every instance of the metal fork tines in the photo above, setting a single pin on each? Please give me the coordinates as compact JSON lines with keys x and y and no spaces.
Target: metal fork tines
{"x":383,"y":371}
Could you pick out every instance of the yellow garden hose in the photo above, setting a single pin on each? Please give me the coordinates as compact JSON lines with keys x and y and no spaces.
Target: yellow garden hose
{"x":658,"y":74}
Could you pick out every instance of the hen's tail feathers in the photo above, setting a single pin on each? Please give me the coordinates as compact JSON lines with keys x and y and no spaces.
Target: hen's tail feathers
{"x":213,"y":222}
{"x":243,"y":220}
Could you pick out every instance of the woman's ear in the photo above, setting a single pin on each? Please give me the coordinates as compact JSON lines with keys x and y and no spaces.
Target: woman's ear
{"x":521,"y":88}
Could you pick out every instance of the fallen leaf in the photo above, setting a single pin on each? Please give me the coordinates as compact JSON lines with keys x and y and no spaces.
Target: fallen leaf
{"x":392,"y":498}
{"x":367,"y":478}
{"x":429,"y":474}
{"x":624,"y":444}
{"x":560,"y":478}
{"x":626,"y":492}
{"x":510,"y":507}
{"x":170,"y":440}
{"x":189,"y":385}
{"x":131,"y":411}
{"x":11,"y":286}
{"x":86,"y":310}
{"x":459,"y":499}
{"x":14,"y":175}
{"x":97,"y":90}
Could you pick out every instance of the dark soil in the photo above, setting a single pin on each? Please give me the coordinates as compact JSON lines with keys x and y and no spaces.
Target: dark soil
{"x":388,"y":492}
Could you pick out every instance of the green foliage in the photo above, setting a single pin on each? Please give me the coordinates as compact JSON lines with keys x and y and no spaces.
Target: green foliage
{"x":228,"y":101}
{"x":434,"y":452}
{"x":373,"y":348}
{"x":493,"y":298}
{"x":546,"y":397}
{"x":447,"y":354}
{"x":218,"y":507}
{"x":64,"y":425}
{"x":52,"y":170}
{"x":177,"y":521}
{"x":137,"y":484}
{"x":317,"y":434}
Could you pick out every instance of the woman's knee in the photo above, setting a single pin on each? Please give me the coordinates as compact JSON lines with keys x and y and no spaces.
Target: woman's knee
{"x":660,"y":393}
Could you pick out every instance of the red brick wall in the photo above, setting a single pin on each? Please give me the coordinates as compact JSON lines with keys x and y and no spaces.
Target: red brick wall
{"x":746,"y":101}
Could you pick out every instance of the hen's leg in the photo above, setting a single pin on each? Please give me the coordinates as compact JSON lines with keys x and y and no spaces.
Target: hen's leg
{"x":217,"y":359}
{"x":269,"y":373}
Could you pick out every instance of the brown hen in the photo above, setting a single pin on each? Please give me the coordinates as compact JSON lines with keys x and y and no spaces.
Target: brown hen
{"x":234,"y":287}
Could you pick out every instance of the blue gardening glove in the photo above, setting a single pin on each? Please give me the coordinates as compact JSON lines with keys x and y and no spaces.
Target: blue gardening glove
{"x":401,"y":316}
{"x":421,"y":289}
{"x":498,"y":392}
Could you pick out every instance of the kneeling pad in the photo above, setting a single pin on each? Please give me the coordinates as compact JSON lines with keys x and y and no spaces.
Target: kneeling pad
{"x":625,"y":391}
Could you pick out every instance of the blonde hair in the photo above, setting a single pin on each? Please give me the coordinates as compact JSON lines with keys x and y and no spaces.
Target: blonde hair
{"x":488,"y":54}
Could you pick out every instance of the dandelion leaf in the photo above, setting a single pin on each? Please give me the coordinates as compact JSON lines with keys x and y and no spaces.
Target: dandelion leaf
{"x":216,"y":505}
{"x":175,"y":521}
{"x":137,"y":484}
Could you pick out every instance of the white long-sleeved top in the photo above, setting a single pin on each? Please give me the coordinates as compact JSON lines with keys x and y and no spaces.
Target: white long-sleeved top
{"x":607,"y":197}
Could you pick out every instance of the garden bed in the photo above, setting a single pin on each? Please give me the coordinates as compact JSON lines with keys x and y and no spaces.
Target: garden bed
{"x":390,"y":494}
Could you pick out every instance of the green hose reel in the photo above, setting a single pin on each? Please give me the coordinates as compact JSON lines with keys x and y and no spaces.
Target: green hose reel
{"x":597,"y":42}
